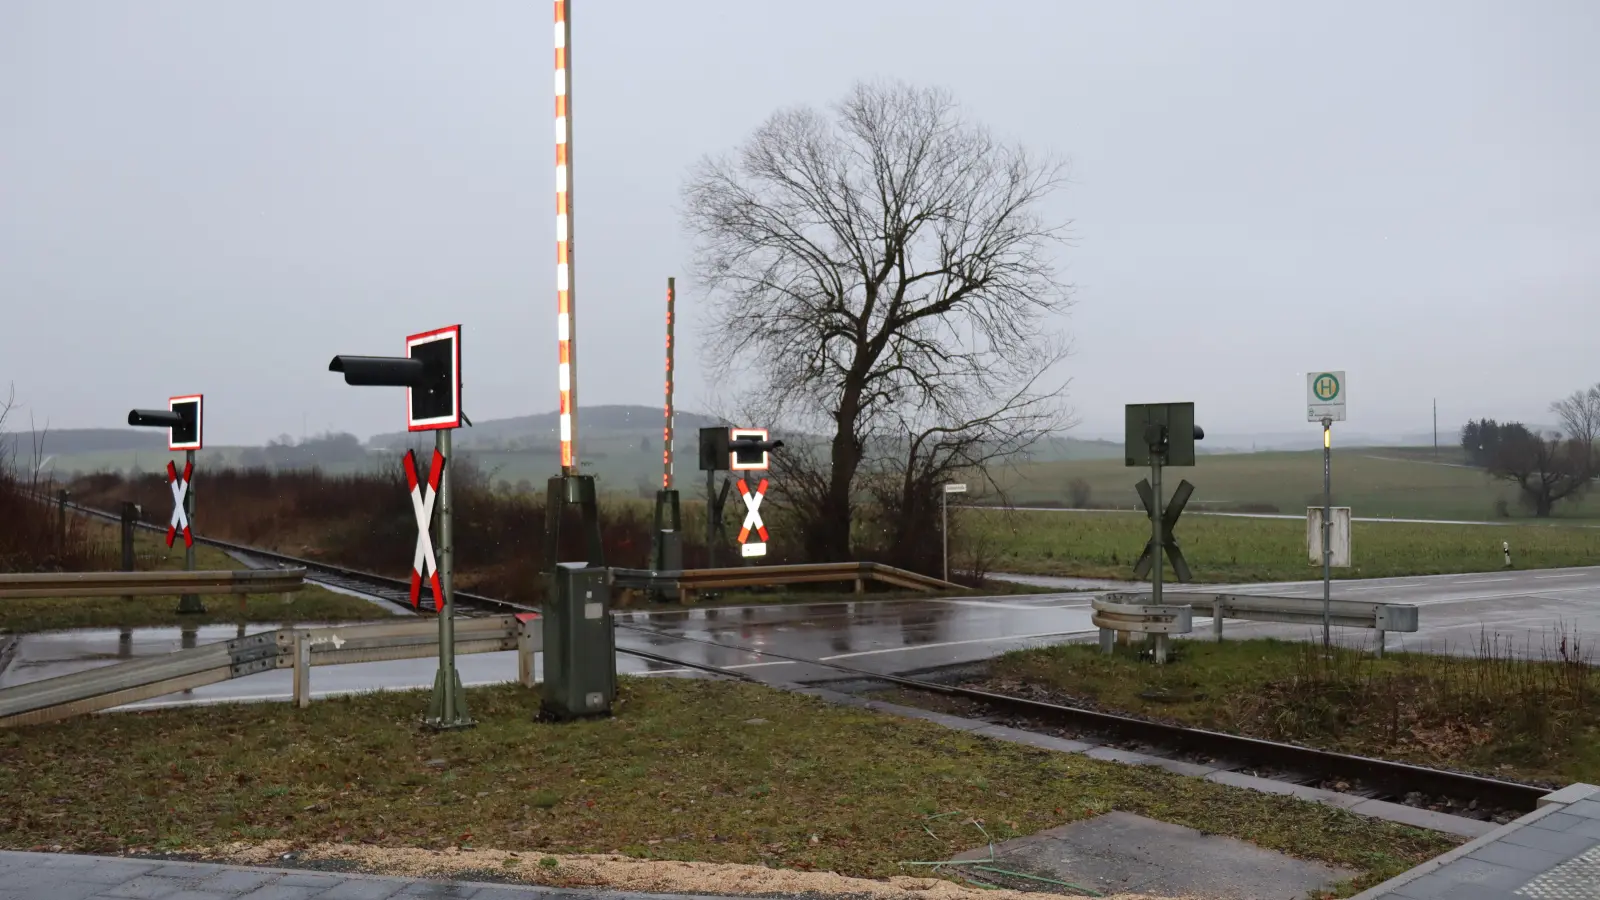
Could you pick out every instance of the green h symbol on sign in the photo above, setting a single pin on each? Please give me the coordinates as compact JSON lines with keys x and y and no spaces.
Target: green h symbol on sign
{"x":1326,"y":387}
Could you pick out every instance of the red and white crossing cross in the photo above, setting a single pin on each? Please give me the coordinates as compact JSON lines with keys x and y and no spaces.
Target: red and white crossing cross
{"x":752,"y":519}
{"x":423,"y":564}
{"x":180,"y":492}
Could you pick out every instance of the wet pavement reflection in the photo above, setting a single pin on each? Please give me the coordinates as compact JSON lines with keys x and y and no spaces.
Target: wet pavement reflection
{"x":886,"y":636}
{"x":881,"y":636}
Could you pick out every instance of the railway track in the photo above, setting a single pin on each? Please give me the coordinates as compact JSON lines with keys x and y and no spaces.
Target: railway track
{"x":1366,"y":776}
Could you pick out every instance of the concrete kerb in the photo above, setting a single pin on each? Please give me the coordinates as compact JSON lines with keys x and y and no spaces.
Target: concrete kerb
{"x":1549,"y":804}
{"x":1460,"y":826}
{"x":121,"y":868}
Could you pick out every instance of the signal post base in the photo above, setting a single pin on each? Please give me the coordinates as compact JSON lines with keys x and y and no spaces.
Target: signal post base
{"x":561,"y":492}
{"x":447,"y":710}
{"x":190,"y":604}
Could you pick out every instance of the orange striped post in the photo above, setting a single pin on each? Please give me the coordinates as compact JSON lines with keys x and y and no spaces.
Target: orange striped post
{"x":566,"y":324}
{"x":666,"y":452}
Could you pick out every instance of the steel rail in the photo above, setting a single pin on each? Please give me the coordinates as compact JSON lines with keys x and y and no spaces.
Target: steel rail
{"x":27,"y":585}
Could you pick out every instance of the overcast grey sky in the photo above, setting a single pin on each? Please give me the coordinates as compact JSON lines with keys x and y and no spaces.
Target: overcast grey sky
{"x":218,"y":197}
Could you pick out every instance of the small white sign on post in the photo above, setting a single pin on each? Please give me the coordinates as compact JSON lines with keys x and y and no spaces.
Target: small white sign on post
{"x":955,"y":489}
{"x":1340,"y":537}
{"x":1325,"y":396}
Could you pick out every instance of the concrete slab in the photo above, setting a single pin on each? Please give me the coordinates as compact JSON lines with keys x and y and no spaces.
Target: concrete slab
{"x":1120,"y":851}
{"x":1544,"y":855}
{"x":1572,"y":793}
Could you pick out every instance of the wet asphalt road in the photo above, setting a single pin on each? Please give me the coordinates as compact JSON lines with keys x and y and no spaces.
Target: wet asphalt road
{"x":890,"y":636}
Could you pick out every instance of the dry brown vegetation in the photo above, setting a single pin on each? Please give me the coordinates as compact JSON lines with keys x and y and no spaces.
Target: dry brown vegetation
{"x":35,"y":537}
{"x":1527,"y":713}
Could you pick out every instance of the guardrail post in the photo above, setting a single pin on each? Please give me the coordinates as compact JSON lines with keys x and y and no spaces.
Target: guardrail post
{"x":525,"y":651}
{"x":302,"y":669}
{"x":1377,"y":649}
{"x":130,"y":515}
{"x":1108,"y":640}
{"x":1161,"y":648}
{"x":1217,"y":611}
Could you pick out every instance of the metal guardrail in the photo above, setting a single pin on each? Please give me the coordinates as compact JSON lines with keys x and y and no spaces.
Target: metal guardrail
{"x":107,"y":687}
{"x":1381,"y":617}
{"x":149,"y":584}
{"x":1123,"y":612}
{"x":688,"y":581}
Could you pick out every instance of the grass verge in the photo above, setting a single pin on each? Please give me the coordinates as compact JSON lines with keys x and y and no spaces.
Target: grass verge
{"x":1223,"y":549}
{"x":309,"y":604}
{"x":687,"y":769}
{"x":1493,"y":713}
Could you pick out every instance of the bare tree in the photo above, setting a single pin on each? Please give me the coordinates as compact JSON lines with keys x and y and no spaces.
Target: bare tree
{"x":1548,"y":468}
{"x":884,"y":276}
{"x":1580,"y":419}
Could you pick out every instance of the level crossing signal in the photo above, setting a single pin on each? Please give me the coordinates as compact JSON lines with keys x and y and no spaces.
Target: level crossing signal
{"x":182,"y":419}
{"x":423,"y":494}
{"x":752,"y":520}
{"x":179,"y":485}
{"x":430,"y":372}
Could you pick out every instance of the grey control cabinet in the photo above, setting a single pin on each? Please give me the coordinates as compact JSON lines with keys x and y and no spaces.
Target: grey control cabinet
{"x":580,"y":653}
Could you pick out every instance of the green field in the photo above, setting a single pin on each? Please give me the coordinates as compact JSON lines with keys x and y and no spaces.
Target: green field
{"x":1223,"y":549}
{"x":1372,"y":481}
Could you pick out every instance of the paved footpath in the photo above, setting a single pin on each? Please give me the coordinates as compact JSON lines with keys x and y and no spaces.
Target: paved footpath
{"x":1552,"y":853}
{"x":60,"y":876}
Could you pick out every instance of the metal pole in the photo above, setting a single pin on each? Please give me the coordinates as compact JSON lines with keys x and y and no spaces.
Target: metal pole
{"x":1155,"y":530}
{"x":566,"y":306}
{"x":188,"y":497}
{"x":944,"y":530}
{"x":1327,"y":531}
{"x":711,"y":520}
{"x":666,"y":453}
{"x":130,"y":515}
{"x":189,"y":603}
{"x":449,"y":706}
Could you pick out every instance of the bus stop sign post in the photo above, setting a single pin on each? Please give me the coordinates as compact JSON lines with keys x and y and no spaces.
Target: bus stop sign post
{"x":1325,"y":403}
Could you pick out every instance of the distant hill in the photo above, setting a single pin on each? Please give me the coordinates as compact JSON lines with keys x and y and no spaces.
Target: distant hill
{"x":539,"y":432}
{"x":1065,"y":449}
{"x":62,"y":441}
